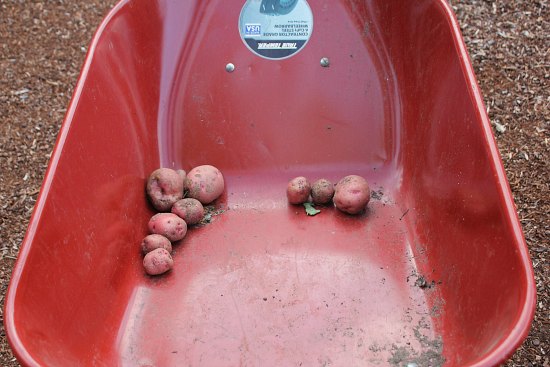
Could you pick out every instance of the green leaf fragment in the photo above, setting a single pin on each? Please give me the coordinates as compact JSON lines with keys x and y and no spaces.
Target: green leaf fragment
{"x":310,"y":209}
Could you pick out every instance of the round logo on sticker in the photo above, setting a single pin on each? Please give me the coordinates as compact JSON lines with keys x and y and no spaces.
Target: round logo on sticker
{"x":275,"y":29}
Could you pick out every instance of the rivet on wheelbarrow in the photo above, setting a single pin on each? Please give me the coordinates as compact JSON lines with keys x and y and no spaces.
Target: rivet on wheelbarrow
{"x":230,"y":68}
{"x":325,"y":62}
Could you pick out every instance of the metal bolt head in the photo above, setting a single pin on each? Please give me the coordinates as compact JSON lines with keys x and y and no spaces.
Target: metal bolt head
{"x":412,"y":364}
{"x":230,"y":68}
{"x":325,"y":62}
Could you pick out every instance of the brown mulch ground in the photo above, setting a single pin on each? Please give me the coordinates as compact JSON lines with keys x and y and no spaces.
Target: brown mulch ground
{"x":43,"y":45}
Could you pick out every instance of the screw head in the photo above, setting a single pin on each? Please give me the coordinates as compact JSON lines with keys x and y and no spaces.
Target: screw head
{"x":230,"y":68}
{"x":325,"y":62}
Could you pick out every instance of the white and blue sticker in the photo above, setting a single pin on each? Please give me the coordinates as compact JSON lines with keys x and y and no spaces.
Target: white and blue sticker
{"x":276,"y":29}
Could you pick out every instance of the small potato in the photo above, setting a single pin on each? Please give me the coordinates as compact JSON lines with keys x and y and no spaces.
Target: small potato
{"x":322,"y":191}
{"x":155,"y":241}
{"x":168,"y":225}
{"x":164,"y":188}
{"x":298,"y":190}
{"x":352,"y":194}
{"x":189,"y":209}
{"x":204,"y":183}
{"x":183,"y":175}
{"x":158,"y":262}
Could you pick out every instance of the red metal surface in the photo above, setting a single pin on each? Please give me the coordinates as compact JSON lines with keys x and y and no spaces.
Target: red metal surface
{"x":264,"y":284}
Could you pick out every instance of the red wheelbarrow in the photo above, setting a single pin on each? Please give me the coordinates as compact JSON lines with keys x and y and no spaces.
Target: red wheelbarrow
{"x":434,"y":273}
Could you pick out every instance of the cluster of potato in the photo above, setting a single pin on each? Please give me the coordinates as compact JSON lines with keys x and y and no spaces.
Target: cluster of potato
{"x":179,"y":198}
{"x":350,"y":195}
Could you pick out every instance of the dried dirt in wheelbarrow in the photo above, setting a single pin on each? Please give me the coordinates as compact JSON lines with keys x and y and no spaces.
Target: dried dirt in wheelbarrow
{"x":43,"y":44}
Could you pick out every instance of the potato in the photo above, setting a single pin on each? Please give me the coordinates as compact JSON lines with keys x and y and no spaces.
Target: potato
{"x":189,"y":209}
{"x":183,"y":175}
{"x":155,"y":241}
{"x":168,"y":225}
{"x":164,"y":188}
{"x":158,"y":262}
{"x":352,"y":194}
{"x":204,"y":183}
{"x":298,"y":190}
{"x":322,"y":191}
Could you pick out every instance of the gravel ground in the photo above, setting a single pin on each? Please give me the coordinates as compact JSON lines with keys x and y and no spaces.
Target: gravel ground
{"x":43,"y":44}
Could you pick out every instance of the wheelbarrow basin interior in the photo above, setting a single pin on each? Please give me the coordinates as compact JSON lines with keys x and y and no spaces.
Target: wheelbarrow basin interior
{"x":434,"y":272}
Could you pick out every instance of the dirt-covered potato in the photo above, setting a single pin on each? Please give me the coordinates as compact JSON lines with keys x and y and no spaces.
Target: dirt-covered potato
{"x":168,"y":225}
{"x":298,"y":190}
{"x":189,"y":209}
{"x":164,"y":188}
{"x":204,"y":183}
{"x":158,"y":261}
{"x":352,"y":194}
{"x":155,"y":241}
{"x":322,"y":191}
{"x":183,"y":175}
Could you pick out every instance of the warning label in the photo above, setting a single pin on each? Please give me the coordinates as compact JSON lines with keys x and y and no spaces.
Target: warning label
{"x":275,"y":29}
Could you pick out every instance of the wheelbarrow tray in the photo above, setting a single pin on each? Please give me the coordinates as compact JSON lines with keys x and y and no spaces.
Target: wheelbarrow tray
{"x":435,"y":272}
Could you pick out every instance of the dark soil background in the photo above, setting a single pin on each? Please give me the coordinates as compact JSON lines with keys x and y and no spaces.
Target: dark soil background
{"x":43,"y":44}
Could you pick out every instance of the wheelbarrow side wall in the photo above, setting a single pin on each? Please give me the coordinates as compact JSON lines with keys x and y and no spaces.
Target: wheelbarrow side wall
{"x":459,"y":202}
{"x":90,"y":215}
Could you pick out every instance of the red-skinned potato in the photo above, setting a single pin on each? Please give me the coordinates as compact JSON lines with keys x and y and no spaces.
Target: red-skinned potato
{"x":164,"y":188}
{"x":352,"y":194}
{"x":183,"y":175}
{"x":189,"y":209}
{"x":155,"y":241}
{"x":298,"y":190}
{"x":322,"y":191}
{"x":157,"y":262}
{"x":204,"y":183}
{"x":168,"y":225}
